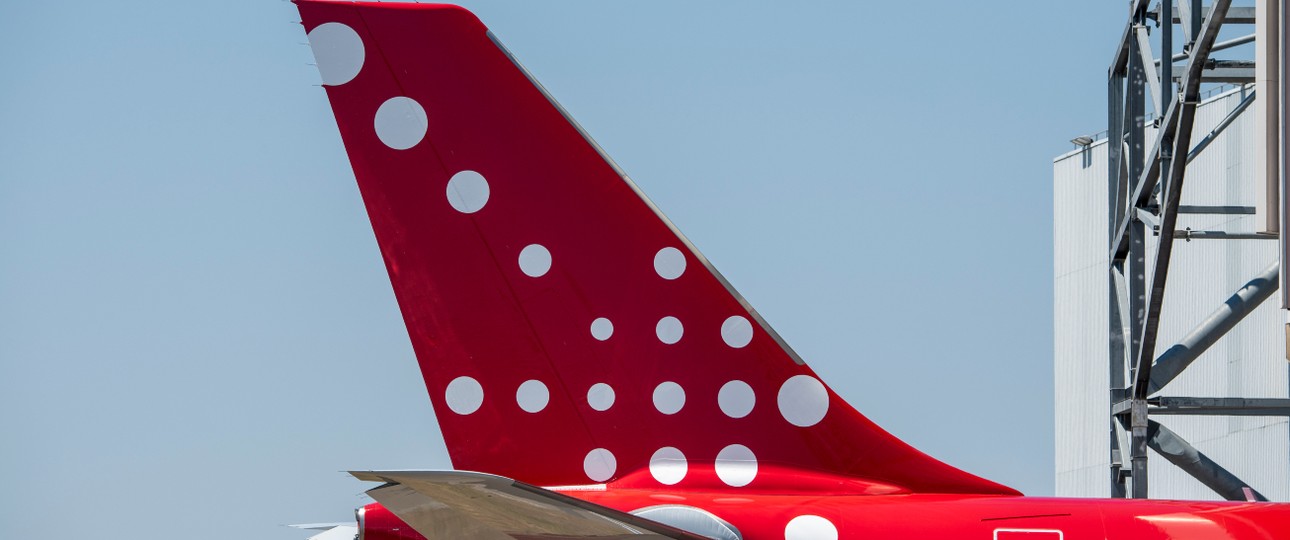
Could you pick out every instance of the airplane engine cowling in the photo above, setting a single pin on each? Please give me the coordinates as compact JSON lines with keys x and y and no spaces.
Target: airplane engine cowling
{"x":375,"y":522}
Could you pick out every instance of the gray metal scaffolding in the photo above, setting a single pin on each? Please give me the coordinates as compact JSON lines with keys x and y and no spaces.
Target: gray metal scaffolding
{"x":1146,"y":179}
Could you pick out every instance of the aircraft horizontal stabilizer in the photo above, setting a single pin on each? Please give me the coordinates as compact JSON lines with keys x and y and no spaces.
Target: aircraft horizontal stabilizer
{"x":330,"y":531}
{"x":456,"y":504}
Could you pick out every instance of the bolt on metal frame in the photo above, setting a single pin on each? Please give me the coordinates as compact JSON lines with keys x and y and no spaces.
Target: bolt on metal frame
{"x":1144,"y":189}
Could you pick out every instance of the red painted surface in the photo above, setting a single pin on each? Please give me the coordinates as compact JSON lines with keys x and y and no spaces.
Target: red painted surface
{"x":766,"y":516}
{"x":380,"y":524}
{"x":473,"y":310}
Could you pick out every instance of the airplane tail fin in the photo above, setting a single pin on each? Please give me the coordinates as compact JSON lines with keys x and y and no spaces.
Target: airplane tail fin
{"x":567,"y":332}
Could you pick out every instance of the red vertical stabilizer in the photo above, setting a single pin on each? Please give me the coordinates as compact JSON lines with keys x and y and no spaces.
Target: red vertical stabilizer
{"x":568,"y":333}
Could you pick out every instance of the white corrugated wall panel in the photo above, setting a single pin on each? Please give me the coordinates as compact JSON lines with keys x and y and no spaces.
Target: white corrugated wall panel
{"x":1080,"y":314}
{"x":1248,"y":362}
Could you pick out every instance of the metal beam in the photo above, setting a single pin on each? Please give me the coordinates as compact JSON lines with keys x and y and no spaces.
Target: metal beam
{"x":1173,"y":193}
{"x":1234,"y":42}
{"x":1166,"y":46}
{"x":1230,"y":75}
{"x":1222,"y":320}
{"x":1174,"y":141}
{"x":1117,"y":464}
{"x":1115,"y":185}
{"x":1145,"y":189}
{"x":1153,"y":76}
{"x":1225,"y":71}
{"x":1222,"y":125}
{"x":1188,"y":16}
{"x":1139,"y":433}
{"x":1143,"y":185}
{"x":1182,"y":454}
{"x":1220,"y":406}
{"x":1189,"y":235}
{"x":1196,"y":406}
{"x":1211,"y":209}
{"x":1120,"y":59}
{"x":1148,"y":218}
{"x":1208,"y":209}
{"x":1235,"y":15}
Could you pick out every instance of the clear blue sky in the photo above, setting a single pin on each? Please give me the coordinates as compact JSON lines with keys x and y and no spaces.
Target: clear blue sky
{"x":197,"y":333}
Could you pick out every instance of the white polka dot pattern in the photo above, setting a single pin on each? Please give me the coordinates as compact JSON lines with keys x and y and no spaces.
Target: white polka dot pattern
{"x":532,"y":396}
{"x":810,"y":527}
{"x":803,"y":400}
{"x":668,"y":465}
{"x":400,"y":123}
{"x":464,"y":395}
{"x":736,"y":465}
{"x":600,"y":465}
{"x":467,"y":192}
{"x":338,"y":51}
{"x":736,"y":399}
{"x":669,"y":330}
{"x":535,"y":260}
{"x":602,"y":329}
{"x":669,"y":263}
{"x":737,"y":332}
{"x":669,"y":397}
{"x":600,"y":397}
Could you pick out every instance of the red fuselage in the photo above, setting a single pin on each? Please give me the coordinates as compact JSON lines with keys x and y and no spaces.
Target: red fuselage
{"x":767,"y":516}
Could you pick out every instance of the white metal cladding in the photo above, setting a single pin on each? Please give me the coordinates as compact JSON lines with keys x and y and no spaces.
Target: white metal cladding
{"x":1080,"y":319}
{"x":1248,"y":362}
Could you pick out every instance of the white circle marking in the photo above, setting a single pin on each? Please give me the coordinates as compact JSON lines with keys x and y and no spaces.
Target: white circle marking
{"x":400,"y":122}
{"x":535,"y":260}
{"x":737,"y":332}
{"x":599,"y":465}
{"x":736,"y":399}
{"x":467,"y":192}
{"x":669,"y":263}
{"x":338,"y":51}
{"x":803,"y":400}
{"x":532,"y":396}
{"x":668,"y":465}
{"x":602,"y":329}
{"x":600,"y":396}
{"x":810,"y":527}
{"x":464,"y":395}
{"x":736,"y":465}
{"x":669,"y":397}
{"x":669,"y":330}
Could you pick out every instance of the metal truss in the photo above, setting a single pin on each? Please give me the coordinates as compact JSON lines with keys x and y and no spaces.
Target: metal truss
{"x":1145,"y":185}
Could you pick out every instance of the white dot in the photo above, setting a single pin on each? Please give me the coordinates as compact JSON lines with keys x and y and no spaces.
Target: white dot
{"x":464,"y":395}
{"x":669,"y":397}
{"x":669,"y":262}
{"x":803,"y":400}
{"x":338,"y":51}
{"x":810,"y":528}
{"x":668,"y":465}
{"x":736,"y":399}
{"x":535,"y":260}
{"x":400,"y":123}
{"x":602,"y":328}
{"x":468,"y":192}
{"x":737,"y":332}
{"x":599,"y":465}
{"x":669,"y":330}
{"x":600,"y":396}
{"x":736,"y":465}
{"x":532,"y":396}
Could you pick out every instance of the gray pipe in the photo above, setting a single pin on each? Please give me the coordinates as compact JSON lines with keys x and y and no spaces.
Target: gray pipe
{"x":1184,"y":456}
{"x":1240,"y":304}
